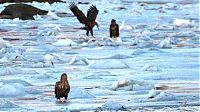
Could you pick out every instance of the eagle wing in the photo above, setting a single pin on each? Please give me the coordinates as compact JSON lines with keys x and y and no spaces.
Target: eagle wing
{"x":78,"y":13}
{"x":92,"y":13}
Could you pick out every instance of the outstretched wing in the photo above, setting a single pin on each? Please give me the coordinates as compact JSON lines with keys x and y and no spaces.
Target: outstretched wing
{"x":92,"y":13}
{"x":78,"y":13}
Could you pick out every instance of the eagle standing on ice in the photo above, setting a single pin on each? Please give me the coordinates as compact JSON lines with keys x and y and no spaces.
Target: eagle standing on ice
{"x":88,"y":21}
{"x":62,"y":88}
{"x":114,"y":29}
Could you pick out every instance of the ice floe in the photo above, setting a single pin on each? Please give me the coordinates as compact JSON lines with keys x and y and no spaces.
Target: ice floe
{"x":16,"y":89}
{"x":125,"y":27}
{"x":165,"y":96}
{"x":183,"y":22}
{"x":79,"y":93}
{"x":129,"y":84}
{"x":3,"y":43}
{"x":5,"y":104}
{"x":112,"y":105}
{"x":108,"y":64}
{"x":119,"y":56}
{"x":150,"y":67}
{"x":79,"y":60}
{"x":153,"y":93}
{"x":63,"y":42}
{"x":9,"y":71}
{"x":166,"y":43}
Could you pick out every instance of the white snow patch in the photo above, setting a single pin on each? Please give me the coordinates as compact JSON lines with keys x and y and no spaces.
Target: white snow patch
{"x":3,"y":43}
{"x":166,"y":43}
{"x":53,"y":15}
{"x":165,"y":96}
{"x":129,"y":84}
{"x":63,"y":42}
{"x":125,"y":27}
{"x":182,"y":22}
{"x":108,"y":64}
{"x":79,"y":60}
{"x":153,"y":93}
{"x":112,"y":105}
{"x":150,"y":67}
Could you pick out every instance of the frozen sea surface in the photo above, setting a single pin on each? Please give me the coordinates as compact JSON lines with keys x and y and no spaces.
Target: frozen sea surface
{"x":154,"y":66}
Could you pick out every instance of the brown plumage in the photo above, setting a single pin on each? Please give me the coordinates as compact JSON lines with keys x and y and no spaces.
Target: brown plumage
{"x":88,"y":21}
{"x":114,"y":29}
{"x":62,"y":87}
{"x":21,"y":11}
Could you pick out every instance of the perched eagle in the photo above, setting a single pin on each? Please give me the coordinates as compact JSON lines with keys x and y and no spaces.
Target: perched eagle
{"x":88,"y":21}
{"x":62,"y":88}
{"x":114,"y":29}
{"x":21,"y":11}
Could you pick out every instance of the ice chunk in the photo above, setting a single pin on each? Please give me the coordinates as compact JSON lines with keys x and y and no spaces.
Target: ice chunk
{"x":11,"y":90}
{"x":164,"y":96}
{"x":63,"y":42}
{"x":48,"y":57}
{"x":5,"y":104}
{"x":3,"y":43}
{"x":77,"y":59}
{"x":119,"y":56}
{"x":150,"y":67}
{"x":80,"y":93}
{"x":153,"y":93}
{"x":129,"y":84}
{"x":166,"y":43}
{"x":15,"y":90}
{"x":108,"y":64}
{"x":125,"y":27}
{"x":9,"y":71}
{"x":53,"y":15}
{"x":112,"y":105}
{"x":182,"y":22}
{"x":170,"y":6}
{"x":4,"y":59}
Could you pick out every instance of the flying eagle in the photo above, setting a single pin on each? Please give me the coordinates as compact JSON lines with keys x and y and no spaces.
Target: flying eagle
{"x":88,"y":21}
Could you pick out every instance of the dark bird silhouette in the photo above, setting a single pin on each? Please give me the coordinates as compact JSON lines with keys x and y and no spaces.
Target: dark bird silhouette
{"x":62,"y":88}
{"x":114,"y":29}
{"x":88,"y":21}
{"x":20,"y":1}
{"x":21,"y":11}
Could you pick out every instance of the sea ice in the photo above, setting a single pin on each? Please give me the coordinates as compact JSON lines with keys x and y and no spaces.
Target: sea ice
{"x":112,"y":105}
{"x":79,"y":93}
{"x":108,"y":64}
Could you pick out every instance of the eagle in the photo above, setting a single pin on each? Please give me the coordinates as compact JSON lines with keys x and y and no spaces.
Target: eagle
{"x":21,"y":11}
{"x":88,"y":21}
{"x":62,"y":88}
{"x":114,"y":29}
